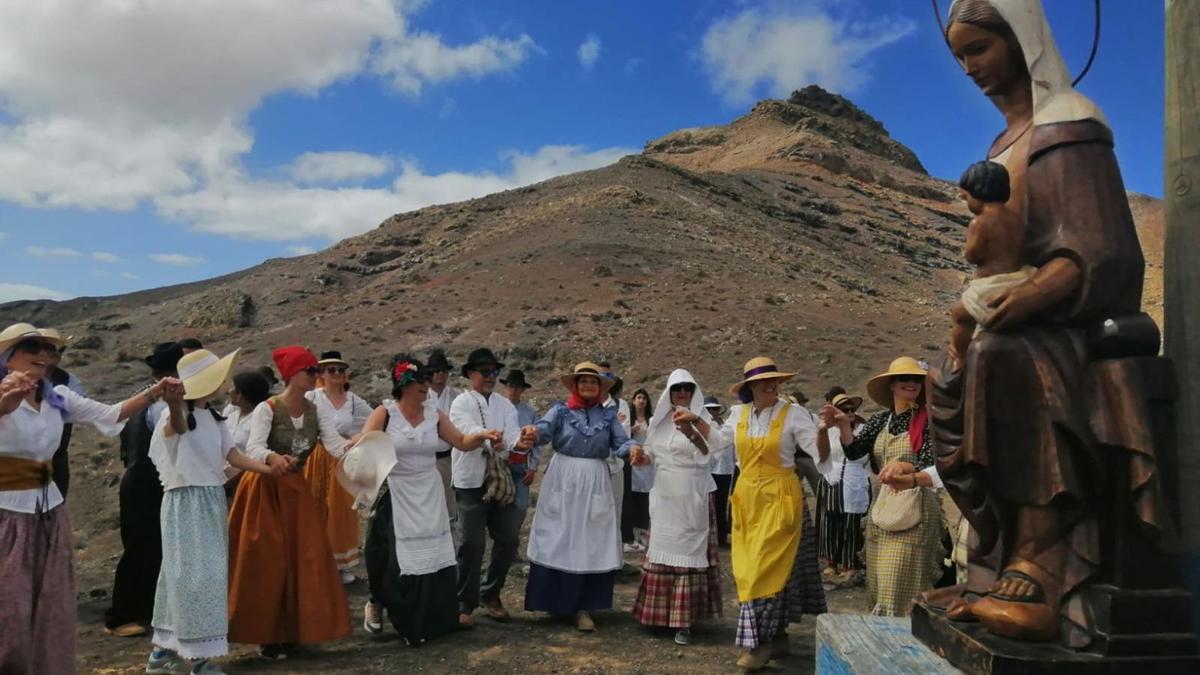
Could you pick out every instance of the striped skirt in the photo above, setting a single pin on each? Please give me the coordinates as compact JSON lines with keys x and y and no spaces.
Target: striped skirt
{"x":840,"y":536}
{"x":762,"y":619}
{"x":677,"y":597}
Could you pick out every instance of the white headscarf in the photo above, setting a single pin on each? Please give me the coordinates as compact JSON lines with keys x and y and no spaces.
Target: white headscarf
{"x":1054,"y":99}
{"x":661,"y":427}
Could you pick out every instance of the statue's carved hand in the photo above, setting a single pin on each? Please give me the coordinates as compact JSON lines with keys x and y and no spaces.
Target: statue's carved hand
{"x":1014,"y":306}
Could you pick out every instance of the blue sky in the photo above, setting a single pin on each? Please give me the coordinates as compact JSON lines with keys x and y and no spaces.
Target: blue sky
{"x":144,"y":144}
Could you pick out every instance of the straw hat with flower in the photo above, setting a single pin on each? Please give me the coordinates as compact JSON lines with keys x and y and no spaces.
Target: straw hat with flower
{"x":759,"y":368}
{"x":879,"y":388}
{"x":204,"y":373}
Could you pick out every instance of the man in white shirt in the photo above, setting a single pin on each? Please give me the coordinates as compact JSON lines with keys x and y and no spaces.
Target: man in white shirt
{"x":473,"y":411}
{"x":616,"y":465}
{"x":439,"y":388}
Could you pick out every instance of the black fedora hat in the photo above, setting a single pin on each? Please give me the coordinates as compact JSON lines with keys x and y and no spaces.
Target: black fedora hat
{"x":331,"y":356}
{"x":516,"y":378}
{"x":165,"y":357}
{"x":438,"y":361}
{"x":480,"y":357}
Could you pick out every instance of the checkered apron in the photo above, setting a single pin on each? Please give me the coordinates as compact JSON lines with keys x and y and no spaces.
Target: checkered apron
{"x":902,"y":564}
{"x":677,"y":597}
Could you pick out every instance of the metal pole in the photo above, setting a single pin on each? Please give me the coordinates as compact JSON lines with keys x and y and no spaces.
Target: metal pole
{"x":1181,"y":179}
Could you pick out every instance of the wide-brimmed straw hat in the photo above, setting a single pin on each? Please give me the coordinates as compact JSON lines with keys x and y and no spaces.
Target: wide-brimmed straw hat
{"x":332,"y":357}
{"x":760,"y":368}
{"x":203,"y":373}
{"x":879,"y":388}
{"x":854,"y":401}
{"x":587,"y":368}
{"x":54,"y":335}
{"x":17,"y":332}
{"x":364,"y":467}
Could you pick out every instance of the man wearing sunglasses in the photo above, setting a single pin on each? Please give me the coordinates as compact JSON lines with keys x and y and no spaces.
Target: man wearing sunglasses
{"x":474,"y":411}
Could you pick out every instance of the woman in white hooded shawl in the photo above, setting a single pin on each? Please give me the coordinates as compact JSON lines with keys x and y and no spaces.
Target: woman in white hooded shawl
{"x":682,"y":580}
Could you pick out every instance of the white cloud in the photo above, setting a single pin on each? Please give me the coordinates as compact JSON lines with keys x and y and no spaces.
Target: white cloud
{"x":11,"y":292}
{"x":413,"y":60}
{"x":776,"y":49}
{"x":284,"y":212}
{"x":52,"y":252}
{"x":338,"y":167}
{"x":176,"y":259}
{"x":3,"y":236}
{"x":589,"y":51}
{"x":300,"y":250}
{"x":105,"y":105}
{"x":129,"y":275}
{"x":104,"y":256}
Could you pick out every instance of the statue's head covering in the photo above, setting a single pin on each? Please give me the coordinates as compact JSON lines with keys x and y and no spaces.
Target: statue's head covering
{"x":1054,"y":99}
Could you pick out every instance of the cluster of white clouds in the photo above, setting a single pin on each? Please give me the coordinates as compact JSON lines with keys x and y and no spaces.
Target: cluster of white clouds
{"x":118,"y":104}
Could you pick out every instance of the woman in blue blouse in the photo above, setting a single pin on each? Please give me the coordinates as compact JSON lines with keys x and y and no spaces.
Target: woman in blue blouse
{"x":574,"y":543}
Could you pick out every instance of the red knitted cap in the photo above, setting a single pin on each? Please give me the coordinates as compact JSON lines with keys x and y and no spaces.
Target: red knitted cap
{"x":292,"y":360}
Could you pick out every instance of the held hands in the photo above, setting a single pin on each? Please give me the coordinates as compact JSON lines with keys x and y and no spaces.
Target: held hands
{"x":529,"y":435}
{"x":899,"y":475}
{"x":166,"y":388}
{"x":493,"y":436}
{"x":683,"y":416}
{"x":13,"y":388}
{"x":528,"y":478}
{"x":638,"y":456}
{"x":281,"y":465}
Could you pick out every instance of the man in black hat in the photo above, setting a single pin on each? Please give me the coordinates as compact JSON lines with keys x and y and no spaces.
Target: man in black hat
{"x":523,"y":463}
{"x":439,"y":369}
{"x":140,"y":499}
{"x":190,"y":344}
{"x":474,"y":411}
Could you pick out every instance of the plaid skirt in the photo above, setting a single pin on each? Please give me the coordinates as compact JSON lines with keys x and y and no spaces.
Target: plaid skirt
{"x":762,"y":619}
{"x":902,"y":564}
{"x":677,"y":597}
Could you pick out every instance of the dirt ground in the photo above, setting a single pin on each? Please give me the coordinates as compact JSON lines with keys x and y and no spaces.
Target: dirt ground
{"x":530,"y":643}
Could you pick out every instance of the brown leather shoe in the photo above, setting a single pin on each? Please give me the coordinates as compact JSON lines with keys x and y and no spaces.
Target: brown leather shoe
{"x":583,"y":621}
{"x":754,"y":660}
{"x":127,"y":630}
{"x":495,"y":610}
{"x":466,"y":621}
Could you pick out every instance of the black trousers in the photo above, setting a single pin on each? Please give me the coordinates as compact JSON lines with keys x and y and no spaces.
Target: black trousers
{"x":137,"y":571}
{"x":721,"y":502}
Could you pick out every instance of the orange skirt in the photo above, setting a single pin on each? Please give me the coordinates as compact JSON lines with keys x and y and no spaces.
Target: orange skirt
{"x":283,"y":585}
{"x":336,"y":505}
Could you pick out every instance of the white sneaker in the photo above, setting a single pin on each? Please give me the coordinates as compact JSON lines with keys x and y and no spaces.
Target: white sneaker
{"x":348,"y":578}
{"x":373,"y":618}
{"x":162,"y":662}
{"x":207,"y":668}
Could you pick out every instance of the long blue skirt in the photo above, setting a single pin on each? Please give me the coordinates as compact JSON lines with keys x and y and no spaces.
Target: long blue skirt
{"x":564,"y":593}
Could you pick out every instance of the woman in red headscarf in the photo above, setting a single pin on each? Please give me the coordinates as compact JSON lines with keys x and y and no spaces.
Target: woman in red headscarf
{"x":284,"y":587}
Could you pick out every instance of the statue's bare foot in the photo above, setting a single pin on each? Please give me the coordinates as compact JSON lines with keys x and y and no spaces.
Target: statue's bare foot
{"x":960,"y":609}
{"x":1017,"y":608}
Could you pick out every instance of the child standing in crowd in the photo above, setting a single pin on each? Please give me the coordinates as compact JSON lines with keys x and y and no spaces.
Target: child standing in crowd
{"x":189,"y":448}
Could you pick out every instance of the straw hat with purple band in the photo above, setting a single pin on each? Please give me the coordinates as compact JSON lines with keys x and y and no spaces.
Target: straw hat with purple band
{"x":203,"y":373}
{"x":364,"y":467}
{"x":17,"y":332}
{"x":841,"y":399}
{"x":879,"y":388}
{"x":759,"y":368}
{"x":587,"y":368}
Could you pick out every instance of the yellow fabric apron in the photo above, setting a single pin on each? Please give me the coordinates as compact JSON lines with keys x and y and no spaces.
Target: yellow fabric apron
{"x":766,"y":512}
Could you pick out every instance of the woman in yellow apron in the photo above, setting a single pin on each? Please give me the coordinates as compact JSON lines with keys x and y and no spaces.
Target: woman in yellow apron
{"x":765,"y":433}
{"x":903,"y":556}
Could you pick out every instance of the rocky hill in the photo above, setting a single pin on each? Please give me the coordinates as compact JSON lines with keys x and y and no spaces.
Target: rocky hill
{"x":800,"y":230}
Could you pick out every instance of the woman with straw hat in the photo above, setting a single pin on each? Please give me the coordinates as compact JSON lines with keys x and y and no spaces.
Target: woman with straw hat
{"x":284,"y":589}
{"x":843,"y":496}
{"x":349,"y":412}
{"x":575,"y":541}
{"x":767,"y":432}
{"x":904,"y":550}
{"x":37,"y":579}
{"x":190,"y":448}
{"x":410,"y":554}
{"x":682,"y":580}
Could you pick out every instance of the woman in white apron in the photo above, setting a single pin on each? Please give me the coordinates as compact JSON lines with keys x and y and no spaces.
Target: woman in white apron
{"x":411,"y":567}
{"x":682,"y":580}
{"x":575,"y":541}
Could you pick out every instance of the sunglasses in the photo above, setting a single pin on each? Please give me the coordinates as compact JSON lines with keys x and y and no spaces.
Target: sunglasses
{"x":312,"y":371}
{"x":336,"y":370}
{"x":36,"y":347}
{"x":488,"y":372}
{"x":912,"y":379}
{"x":689,"y":388}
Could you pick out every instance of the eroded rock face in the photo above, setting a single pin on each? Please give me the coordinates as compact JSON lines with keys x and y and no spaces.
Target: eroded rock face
{"x":222,"y":309}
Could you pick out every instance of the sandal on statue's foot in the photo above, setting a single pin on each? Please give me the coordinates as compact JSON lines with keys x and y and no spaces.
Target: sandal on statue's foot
{"x":1017,"y":608}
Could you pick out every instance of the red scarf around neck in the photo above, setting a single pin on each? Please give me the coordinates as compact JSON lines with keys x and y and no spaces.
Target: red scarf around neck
{"x":577,"y":402}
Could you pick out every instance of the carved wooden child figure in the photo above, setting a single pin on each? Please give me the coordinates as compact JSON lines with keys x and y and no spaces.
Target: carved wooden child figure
{"x":994,"y":240}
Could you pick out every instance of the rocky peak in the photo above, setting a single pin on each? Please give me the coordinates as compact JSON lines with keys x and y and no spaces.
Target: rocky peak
{"x":817,"y":99}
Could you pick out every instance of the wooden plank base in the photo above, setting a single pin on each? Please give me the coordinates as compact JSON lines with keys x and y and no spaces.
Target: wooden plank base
{"x":873,"y":645}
